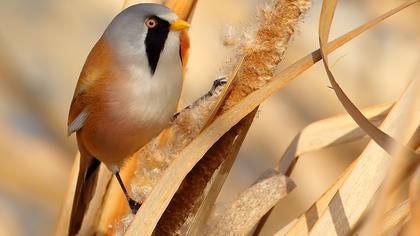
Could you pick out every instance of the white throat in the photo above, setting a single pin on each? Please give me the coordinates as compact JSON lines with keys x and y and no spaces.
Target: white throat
{"x":150,"y":100}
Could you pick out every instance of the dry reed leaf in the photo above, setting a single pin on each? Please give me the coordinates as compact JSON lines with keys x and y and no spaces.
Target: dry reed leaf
{"x":184,"y":218}
{"x":226,"y":90}
{"x":393,"y":221}
{"x":307,"y":220}
{"x":396,"y":218}
{"x":414,"y":188}
{"x":261,"y":57}
{"x":240,"y":216}
{"x":412,"y":226}
{"x":325,"y":133}
{"x":183,"y":8}
{"x":329,"y":132}
{"x":383,"y":139}
{"x":350,"y":201}
{"x":151,"y":210}
{"x":286,"y":228}
{"x":401,"y":169}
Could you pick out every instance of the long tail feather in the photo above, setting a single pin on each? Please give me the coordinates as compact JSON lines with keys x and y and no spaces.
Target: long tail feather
{"x":85,"y":188}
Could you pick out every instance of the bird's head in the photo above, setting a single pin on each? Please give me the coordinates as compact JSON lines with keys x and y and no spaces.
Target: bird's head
{"x":139,"y":34}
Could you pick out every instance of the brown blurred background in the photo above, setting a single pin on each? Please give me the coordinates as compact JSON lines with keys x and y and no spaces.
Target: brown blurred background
{"x":43,"y":45}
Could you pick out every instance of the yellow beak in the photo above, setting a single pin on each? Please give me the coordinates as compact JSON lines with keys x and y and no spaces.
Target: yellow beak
{"x":179,"y":25}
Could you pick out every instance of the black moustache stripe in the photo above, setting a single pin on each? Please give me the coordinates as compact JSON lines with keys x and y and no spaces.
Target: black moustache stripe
{"x":155,"y":41}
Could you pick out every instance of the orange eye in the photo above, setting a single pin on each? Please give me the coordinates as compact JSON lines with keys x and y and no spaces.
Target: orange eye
{"x":151,"y":23}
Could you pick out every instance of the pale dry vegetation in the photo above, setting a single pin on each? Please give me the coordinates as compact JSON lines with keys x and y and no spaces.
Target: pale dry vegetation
{"x":179,"y":175}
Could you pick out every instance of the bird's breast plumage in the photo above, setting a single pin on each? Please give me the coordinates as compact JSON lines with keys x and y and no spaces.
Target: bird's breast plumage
{"x":149,"y":100}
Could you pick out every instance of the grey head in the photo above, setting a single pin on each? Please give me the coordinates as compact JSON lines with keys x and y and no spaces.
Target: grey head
{"x":140,"y":32}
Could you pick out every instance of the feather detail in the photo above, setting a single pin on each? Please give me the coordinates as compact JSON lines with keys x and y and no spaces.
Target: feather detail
{"x":78,"y":122}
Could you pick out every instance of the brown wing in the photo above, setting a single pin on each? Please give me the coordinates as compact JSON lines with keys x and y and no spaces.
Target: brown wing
{"x":93,"y":72}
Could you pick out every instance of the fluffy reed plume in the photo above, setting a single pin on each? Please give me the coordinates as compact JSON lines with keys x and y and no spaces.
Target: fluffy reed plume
{"x":240,"y":217}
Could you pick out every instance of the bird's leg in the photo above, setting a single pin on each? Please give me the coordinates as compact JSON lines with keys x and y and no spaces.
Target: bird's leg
{"x":134,"y":206}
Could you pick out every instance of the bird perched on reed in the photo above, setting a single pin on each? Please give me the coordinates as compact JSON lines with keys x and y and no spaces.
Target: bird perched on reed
{"x":126,"y":95}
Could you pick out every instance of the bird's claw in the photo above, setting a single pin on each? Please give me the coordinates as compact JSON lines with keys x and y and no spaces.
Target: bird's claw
{"x":134,"y":205}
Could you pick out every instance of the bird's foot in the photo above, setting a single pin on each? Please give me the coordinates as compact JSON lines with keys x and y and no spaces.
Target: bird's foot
{"x":134,"y":205}
{"x":219,"y":82}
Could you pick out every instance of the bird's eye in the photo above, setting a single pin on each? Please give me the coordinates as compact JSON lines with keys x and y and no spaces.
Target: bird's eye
{"x":151,"y":23}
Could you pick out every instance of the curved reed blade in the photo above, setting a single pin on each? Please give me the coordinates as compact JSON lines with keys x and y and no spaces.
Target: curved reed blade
{"x":388,"y":143}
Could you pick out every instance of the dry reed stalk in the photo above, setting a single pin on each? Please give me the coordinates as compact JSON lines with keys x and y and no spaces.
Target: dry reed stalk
{"x":183,"y":8}
{"x":239,"y":217}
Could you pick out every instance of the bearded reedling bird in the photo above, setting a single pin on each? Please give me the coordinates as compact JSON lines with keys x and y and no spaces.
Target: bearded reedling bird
{"x":126,"y":95}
